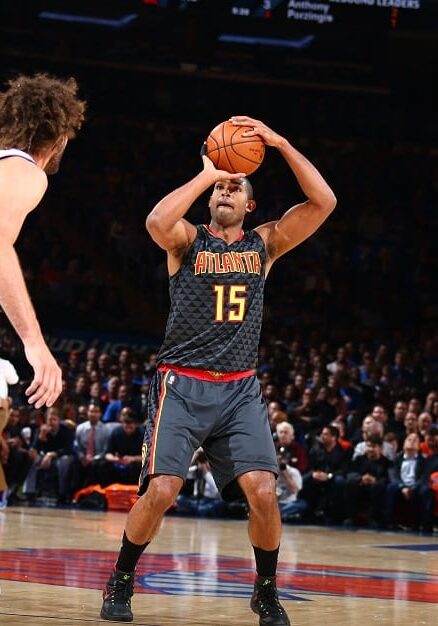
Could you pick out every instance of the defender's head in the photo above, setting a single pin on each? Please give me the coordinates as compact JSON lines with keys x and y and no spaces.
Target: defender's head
{"x":38,"y":115}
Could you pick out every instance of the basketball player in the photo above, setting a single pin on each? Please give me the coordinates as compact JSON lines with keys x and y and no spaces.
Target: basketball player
{"x":205,"y":392}
{"x":37,"y":117}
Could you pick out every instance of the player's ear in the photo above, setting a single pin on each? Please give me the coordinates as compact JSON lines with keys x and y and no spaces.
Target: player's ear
{"x":250,"y":206}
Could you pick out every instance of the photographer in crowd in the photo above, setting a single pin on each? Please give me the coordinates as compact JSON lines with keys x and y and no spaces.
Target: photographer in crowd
{"x":289,"y":484}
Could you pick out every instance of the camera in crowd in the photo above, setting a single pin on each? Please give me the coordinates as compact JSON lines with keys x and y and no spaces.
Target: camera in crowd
{"x":281,"y":458}
{"x":200,"y":457}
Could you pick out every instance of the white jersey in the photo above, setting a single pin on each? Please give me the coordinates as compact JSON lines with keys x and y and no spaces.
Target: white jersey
{"x":8,"y":376}
{"x":12,"y":152}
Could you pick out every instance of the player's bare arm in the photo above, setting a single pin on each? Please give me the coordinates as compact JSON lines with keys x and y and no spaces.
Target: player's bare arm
{"x":22,"y":186}
{"x":303,"y":219}
{"x":166,"y":223}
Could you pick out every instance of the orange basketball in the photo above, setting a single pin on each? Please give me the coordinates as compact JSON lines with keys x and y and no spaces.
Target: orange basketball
{"x":232,"y":152}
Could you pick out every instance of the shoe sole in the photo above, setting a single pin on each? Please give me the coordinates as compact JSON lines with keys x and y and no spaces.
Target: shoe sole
{"x":111,"y":618}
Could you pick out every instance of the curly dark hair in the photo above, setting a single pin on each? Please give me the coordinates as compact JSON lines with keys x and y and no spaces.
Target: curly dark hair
{"x":36,"y":111}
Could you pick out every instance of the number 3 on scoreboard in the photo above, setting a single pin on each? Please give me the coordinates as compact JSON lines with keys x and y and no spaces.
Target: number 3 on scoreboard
{"x":236,"y":299}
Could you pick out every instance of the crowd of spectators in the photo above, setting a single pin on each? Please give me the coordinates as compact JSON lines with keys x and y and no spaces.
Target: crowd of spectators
{"x":356,"y":431}
{"x":348,"y":362}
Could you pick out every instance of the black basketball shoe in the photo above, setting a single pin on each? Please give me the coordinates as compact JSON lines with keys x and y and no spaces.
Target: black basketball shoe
{"x":117,"y":595}
{"x":266,"y":604}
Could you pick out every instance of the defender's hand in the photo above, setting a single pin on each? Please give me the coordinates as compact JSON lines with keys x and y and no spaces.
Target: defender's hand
{"x":47,"y":382}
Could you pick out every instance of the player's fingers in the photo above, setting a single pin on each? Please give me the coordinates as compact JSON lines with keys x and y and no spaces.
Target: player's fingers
{"x":33,"y":386}
{"x":43,"y":391}
{"x":54,"y":385}
{"x":243,"y":120}
{"x":56,"y":389}
{"x":38,"y":398}
{"x":251,"y":133}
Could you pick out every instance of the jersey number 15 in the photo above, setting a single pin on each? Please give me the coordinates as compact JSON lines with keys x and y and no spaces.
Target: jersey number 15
{"x":230,"y":303}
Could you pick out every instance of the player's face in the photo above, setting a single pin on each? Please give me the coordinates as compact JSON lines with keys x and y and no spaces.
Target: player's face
{"x":229,"y":202}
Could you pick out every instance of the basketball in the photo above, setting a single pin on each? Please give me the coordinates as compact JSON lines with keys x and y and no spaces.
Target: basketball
{"x":232,"y":152}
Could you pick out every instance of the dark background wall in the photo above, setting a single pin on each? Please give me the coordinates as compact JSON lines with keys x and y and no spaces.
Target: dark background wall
{"x":358,"y":97}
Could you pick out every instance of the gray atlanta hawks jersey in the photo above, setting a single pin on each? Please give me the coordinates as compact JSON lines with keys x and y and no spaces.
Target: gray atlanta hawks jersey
{"x":216,"y":304}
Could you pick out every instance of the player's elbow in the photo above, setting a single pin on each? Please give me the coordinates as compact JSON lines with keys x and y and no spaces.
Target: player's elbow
{"x":152,"y":223}
{"x":334,"y":202}
{"x":328,"y":202}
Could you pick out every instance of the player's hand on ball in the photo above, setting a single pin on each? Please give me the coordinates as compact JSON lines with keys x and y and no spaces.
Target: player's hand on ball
{"x":218,"y":174}
{"x":270,"y":137}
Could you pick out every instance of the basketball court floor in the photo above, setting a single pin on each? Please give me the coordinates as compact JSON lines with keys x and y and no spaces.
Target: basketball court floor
{"x":53,"y":564}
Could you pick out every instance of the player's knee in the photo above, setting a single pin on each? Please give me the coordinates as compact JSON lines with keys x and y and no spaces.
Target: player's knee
{"x":260,"y":490}
{"x":164,"y":490}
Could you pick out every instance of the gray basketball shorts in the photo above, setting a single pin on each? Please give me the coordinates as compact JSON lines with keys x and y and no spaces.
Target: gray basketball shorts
{"x":228,"y":419}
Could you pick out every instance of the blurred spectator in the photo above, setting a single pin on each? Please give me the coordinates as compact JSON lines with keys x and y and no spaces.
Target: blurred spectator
{"x":393,"y":441}
{"x":397,"y":424}
{"x":407,"y":485}
{"x":335,"y":398}
{"x":415,"y":406}
{"x":325,"y":409}
{"x":293,"y":453}
{"x":122,"y":461}
{"x":114,"y":407}
{"x":367,"y":477}
{"x":51,"y":453}
{"x":424,"y":424}
{"x":411,"y":423}
{"x":374,"y":429}
{"x":81,"y":392}
{"x":341,"y":363}
{"x":17,"y":462}
{"x":400,"y":370}
{"x":379,"y":414}
{"x":431,"y":397}
{"x":323,"y":482}
{"x":427,"y":447}
{"x":306,"y":416}
{"x":431,"y":467}
{"x":91,"y":441}
{"x":289,"y":484}
{"x":343,"y":440}
{"x":8,"y":376}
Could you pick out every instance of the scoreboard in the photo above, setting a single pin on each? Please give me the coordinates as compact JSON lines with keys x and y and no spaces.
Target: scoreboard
{"x":322,"y":15}
{"x":410,"y":14}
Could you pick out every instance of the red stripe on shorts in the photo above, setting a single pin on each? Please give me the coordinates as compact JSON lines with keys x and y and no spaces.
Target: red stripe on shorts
{"x":208,"y":375}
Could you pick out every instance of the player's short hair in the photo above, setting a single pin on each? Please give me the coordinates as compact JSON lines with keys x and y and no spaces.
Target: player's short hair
{"x":36,"y":111}
{"x":249,"y":189}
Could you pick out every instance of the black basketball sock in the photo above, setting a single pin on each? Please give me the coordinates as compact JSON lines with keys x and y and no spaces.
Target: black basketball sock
{"x":266,"y":561}
{"x":129,"y":554}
